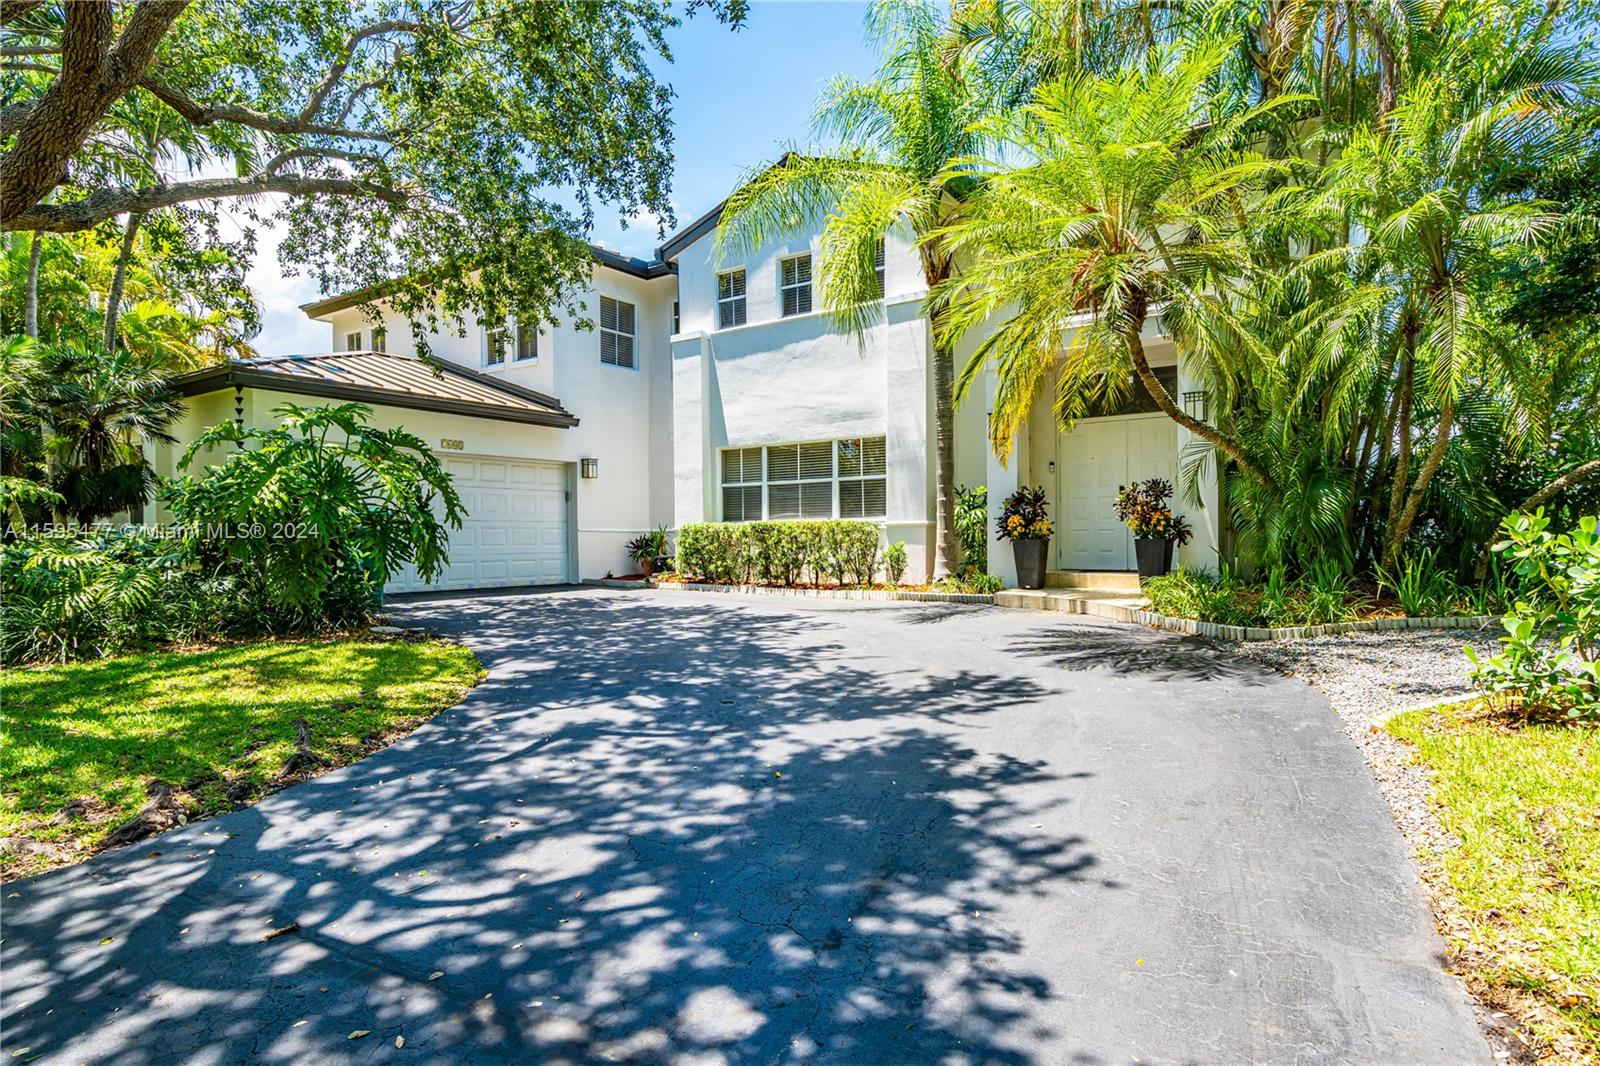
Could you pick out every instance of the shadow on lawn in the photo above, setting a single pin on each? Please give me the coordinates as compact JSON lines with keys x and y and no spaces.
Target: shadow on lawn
{"x":652,"y":832}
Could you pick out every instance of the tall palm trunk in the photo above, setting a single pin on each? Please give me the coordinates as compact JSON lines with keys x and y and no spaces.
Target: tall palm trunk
{"x":114,"y":298}
{"x":935,"y":269}
{"x":1399,"y":529}
{"x":30,"y":307}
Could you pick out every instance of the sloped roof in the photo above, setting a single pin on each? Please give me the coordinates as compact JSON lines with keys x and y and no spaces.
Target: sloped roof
{"x":384,"y":378}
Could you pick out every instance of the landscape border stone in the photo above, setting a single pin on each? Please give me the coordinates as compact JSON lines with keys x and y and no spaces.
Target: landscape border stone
{"x":827,"y":594}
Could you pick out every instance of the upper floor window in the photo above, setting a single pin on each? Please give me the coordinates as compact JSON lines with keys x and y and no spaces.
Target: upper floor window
{"x":795,"y":285}
{"x":616,"y":332}
{"x":730,"y":299}
{"x":676,"y":325}
{"x":352,"y":341}
{"x":494,"y":351}
{"x":877,"y":264}
{"x":527,"y":343}
{"x":380,"y":339}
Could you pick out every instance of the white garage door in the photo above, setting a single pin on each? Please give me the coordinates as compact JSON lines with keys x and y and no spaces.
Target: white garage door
{"x":515,"y":531}
{"x":1097,"y":457}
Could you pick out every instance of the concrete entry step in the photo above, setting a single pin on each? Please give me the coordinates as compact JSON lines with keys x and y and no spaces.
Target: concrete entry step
{"x":1116,"y":605}
{"x":1126,"y":581}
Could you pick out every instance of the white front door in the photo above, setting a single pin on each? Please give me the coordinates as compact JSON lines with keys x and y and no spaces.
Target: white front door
{"x":1097,"y":457}
{"x":515,"y":531}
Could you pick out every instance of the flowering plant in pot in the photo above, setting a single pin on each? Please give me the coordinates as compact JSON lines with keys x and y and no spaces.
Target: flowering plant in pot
{"x":1143,"y":506}
{"x":649,"y":550}
{"x":1025,"y":521}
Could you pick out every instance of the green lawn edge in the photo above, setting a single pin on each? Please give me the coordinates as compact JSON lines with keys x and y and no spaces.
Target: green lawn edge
{"x":217,"y":723}
{"x":1520,"y":896}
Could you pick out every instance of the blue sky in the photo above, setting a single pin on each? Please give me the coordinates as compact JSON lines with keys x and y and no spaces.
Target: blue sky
{"x":741,"y":97}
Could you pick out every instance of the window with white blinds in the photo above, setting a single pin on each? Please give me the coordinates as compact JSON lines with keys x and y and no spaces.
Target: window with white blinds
{"x":494,"y":347}
{"x":616,"y":332}
{"x":730,"y":298}
{"x":741,"y":485}
{"x":527,"y":343}
{"x":877,"y":263}
{"x":821,"y":479}
{"x":794,"y":285}
{"x":863,"y":481}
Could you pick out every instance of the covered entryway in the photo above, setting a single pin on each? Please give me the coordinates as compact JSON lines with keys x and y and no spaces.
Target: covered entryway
{"x":1097,"y":457}
{"x":516,"y":531}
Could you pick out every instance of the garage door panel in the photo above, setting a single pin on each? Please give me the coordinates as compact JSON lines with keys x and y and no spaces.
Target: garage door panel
{"x":514,"y":532}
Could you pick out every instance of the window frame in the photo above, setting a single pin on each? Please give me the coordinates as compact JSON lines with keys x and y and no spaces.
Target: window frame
{"x":880,"y":262}
{"x":733,"y":309}
{"x":863,"y":478}
{"x":618,"y":333}
{"x":532,"y":332}
{"x":834,"y":481}
{"x":798,"y":287}
{"x":352,"y":341}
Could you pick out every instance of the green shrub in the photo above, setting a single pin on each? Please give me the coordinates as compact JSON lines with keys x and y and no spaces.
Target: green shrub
{"x":1550,"y":662}
{"x":779,"y":553}
{"x":317,"y":512}
{"x":1315,"y":598}
{"x":972,"y":527}
{"x":894,"y":561}
{"x":717,"y":552}
{"x":1422,"y":586}
{"x":106,"y":591}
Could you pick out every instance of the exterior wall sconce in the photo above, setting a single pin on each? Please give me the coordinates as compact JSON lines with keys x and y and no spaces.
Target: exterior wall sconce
{"x":590,"y":468}
{"x":1194,"y":405}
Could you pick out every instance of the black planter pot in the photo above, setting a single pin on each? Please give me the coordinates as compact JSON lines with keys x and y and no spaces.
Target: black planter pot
{"x":1030,"y":562}
{"x":1154,"y":554}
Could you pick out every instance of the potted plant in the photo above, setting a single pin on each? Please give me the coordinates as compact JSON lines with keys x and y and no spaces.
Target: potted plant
{"x":1143,"y":506}
{"x":1025,"y":521}
{"x":649,"y":551}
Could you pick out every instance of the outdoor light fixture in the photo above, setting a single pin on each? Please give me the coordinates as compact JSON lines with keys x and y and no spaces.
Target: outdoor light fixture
{"x":1194,"y":405}
{"x":590,"y":467}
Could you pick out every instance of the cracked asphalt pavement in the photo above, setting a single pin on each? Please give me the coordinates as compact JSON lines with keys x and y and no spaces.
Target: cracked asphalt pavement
{"x":681,"y":827}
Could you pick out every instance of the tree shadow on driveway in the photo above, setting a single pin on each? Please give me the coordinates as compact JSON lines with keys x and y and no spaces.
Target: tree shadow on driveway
{"x":651,"y":833}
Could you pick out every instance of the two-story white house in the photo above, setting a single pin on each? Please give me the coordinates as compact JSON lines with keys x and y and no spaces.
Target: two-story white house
{"x":707,"y":391}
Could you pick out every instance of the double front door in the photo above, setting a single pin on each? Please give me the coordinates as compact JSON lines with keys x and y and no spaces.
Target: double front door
{"x":1097,"y":457}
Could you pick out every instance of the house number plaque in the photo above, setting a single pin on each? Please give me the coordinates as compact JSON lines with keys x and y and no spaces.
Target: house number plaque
{"x":451,"y":444}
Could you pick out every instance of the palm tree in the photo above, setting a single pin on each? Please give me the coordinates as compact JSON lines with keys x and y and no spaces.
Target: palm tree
{"x":91,"y":412}
{"x":897,"y":137}
{"x":1106,"y":198}
{"x":1417,"y":182}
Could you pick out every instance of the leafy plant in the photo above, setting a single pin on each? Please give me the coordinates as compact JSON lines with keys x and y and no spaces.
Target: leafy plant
{"x":1143,"y":507}
{"x":650,"y":548}
{"x":779,"y":553}
{"x":1548,"y":662}
{"x":320,"y":509}
{"x":895,"y":561}
{"x":972,"y":527}
{"x":1422,"y":586}
{"x":1025,"y":515}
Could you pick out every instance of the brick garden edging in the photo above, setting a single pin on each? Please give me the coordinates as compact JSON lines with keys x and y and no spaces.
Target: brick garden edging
{"x":1218,"y":631}
{"x":826,"y":594}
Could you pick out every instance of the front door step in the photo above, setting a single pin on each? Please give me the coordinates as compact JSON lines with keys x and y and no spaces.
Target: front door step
{"x":1117,"y":605}
{"x":1095,"y":580}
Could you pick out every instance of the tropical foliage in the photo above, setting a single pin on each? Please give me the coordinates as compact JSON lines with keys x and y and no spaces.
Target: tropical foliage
{"x":318,"y":511}
{"x":1143,"y":508}
{"x":1024,"y":515}
{"x":835,"y":551}
{"x":1366,"y":232}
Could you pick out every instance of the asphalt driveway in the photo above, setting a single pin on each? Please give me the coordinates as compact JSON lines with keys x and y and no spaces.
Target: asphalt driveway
{"x":698,"y":828}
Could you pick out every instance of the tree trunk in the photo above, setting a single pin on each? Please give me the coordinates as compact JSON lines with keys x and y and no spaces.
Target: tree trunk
{"x":1164,"y":400}
{"x":1398,"y":530}
{"x":1571,"y":477}
{"x":30,"y":306}
{"x":935,"y":269}
{"x":114,"y":298}
{"x":1402,"y":458}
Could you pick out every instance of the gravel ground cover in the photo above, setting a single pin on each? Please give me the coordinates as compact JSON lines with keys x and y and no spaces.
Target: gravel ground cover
{"x":1368,"y":677}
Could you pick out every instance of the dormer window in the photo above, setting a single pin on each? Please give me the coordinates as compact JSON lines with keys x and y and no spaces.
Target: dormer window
{"x":794,"y":285}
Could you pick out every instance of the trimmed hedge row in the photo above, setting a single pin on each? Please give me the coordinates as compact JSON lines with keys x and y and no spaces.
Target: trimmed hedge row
{"x":779,"y":553}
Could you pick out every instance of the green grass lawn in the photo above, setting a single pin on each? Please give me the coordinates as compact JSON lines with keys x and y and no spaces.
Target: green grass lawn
{"x":217,"y":724}
{"x":1522,"y":893}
